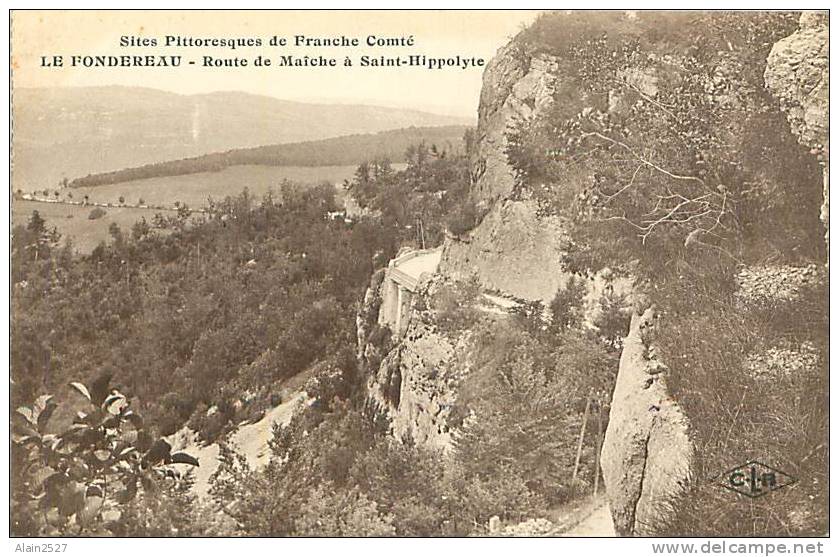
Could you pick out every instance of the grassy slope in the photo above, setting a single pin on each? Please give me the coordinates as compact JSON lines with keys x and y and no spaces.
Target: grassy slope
{"x":194,"y":189}
{"x":72,"y":221}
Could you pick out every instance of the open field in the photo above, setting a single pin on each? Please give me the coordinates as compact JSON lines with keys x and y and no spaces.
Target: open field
{"x":72,"y":221}
{"x":194,"y":189}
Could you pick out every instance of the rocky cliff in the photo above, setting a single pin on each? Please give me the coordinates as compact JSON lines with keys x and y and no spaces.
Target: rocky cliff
{"x":514,"y":251}
{"x":797,"y":72}
{"x":517,"y":252}
{"x":413,"y":376}
{"x":514,"y":248}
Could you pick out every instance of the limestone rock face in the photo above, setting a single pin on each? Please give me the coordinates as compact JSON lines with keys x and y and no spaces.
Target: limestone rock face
{"x":424,"y":397}
{"x":516,"y":251}
{"x":647,"y":452}
{"x":367,"y":315}
{"x":513,"y":89}
{"x":415,"y":385}
{"x":797,"y":73}
{"x":513,"y":250}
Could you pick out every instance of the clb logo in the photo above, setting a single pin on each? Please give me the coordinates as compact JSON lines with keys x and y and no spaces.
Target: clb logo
{"x":754,"y":479}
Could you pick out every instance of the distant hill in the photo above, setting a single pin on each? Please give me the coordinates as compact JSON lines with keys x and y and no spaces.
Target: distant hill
{"x":346,"y":150}
{"x":72,"y":132}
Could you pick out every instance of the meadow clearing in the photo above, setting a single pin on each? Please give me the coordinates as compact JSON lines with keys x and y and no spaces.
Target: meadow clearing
{"x":72,"y":220}
{"x":194,"y":189}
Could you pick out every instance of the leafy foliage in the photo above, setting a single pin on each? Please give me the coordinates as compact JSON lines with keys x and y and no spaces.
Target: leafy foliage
{"x":232,"y":303}
{"x":525,"y":405}
{"x":80,"y":479}
{"x":342,"y":513}
{"x":612,"y":319}
{"x":567,"y":307}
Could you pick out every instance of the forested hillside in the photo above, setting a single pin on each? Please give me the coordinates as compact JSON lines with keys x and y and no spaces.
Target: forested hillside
{"x":67,"y":132}
{"x":218,"y":313}
{"x":178,"y":318}
{"x":337,"y":151}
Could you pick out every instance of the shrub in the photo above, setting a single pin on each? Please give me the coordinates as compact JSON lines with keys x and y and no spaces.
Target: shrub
{"x":81,"y":480}
{"x":335,"y":513}
{"x":96,"y":213}
{"x":567,"y":307}
{"x":463,"y":219}
{"x":525,"y":402}
{"x":612,"y":319}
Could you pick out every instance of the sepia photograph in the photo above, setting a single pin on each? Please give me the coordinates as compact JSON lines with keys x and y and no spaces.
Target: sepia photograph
{"x":420,"y":273}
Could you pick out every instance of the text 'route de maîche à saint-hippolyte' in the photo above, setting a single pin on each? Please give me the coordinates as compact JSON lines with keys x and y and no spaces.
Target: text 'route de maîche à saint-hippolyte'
{"x":282,"y":60}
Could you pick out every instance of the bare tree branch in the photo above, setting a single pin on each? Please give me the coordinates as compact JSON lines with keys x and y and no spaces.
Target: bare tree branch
{"x":626,"y":187}
{"x":641,"y":159}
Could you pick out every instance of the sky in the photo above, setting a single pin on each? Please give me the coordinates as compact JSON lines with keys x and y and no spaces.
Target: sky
{"x":453,"y":91}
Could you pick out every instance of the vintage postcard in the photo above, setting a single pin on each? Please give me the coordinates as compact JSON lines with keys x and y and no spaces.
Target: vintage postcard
{"x":420,"y":273}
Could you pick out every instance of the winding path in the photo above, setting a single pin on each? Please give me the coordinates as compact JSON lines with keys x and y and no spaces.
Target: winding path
{"x":597,"y":524}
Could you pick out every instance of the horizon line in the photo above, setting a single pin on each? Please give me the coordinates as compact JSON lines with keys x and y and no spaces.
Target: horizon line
{"x":321,"y":101}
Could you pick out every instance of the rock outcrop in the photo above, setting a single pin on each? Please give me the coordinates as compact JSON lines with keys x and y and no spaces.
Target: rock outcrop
{"x":251,"y":440}
{"x":514,"y":248}
{"x":647,"y":452}
{"x":515,"y":87}
{"x":414,"y":382}
{"x":516,"y":251}
{"x":413,"y":389}
{"x":797,"y":73}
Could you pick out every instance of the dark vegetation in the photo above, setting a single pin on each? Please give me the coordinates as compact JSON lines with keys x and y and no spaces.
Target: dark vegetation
{"x":87,"y":477}
{"x":426,"y":199}
{"x":776,"y":408}
{"x":676,"y":164}
{"x":215,"y":313}
{"x":338,"y":151}
{"x":528,"y":399}
{"x":96,"y":213}
{"x":198,"y":316}
{"x":218,"y":311}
